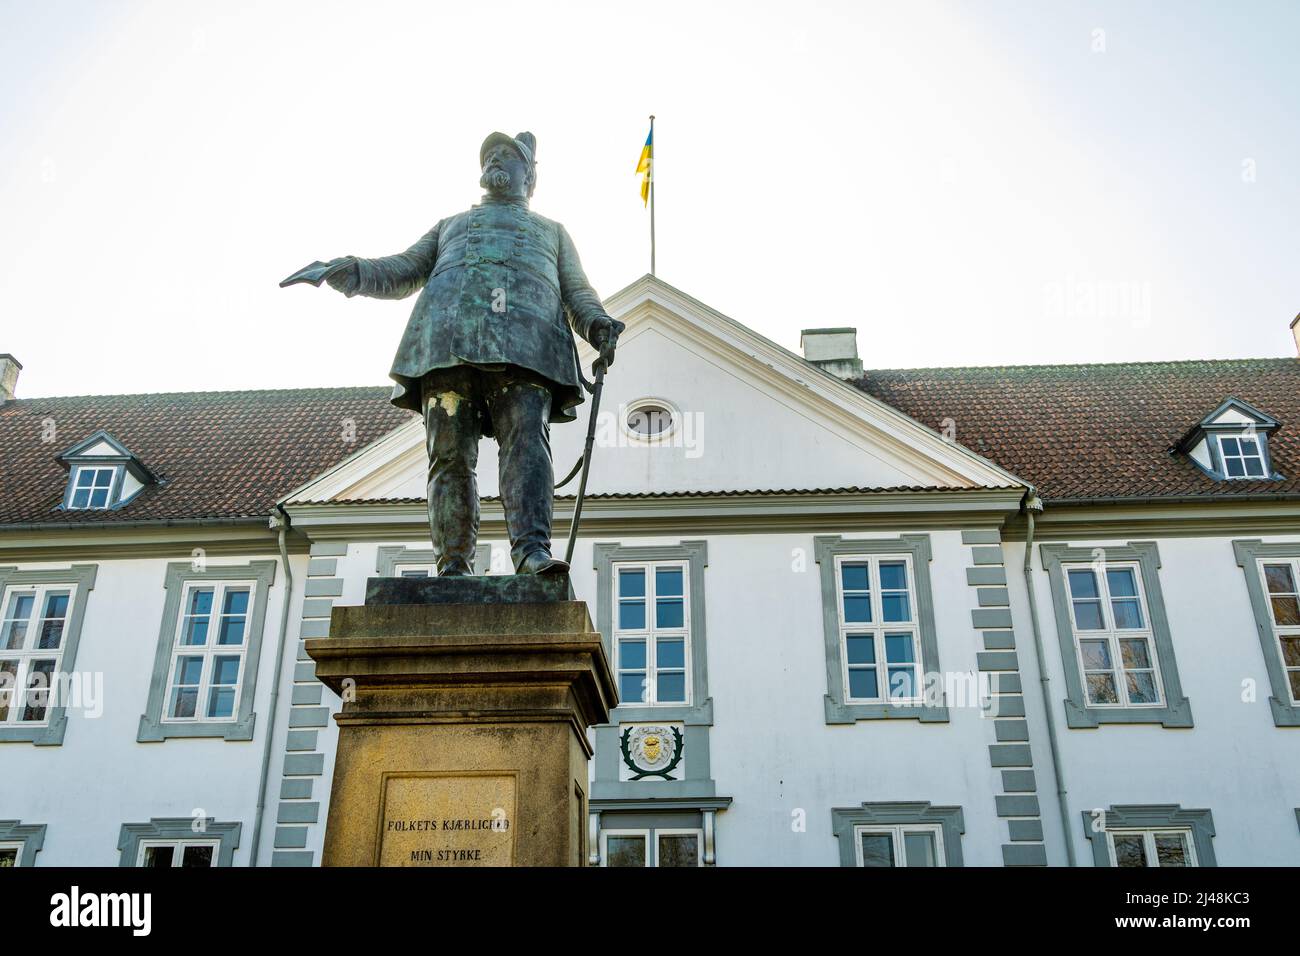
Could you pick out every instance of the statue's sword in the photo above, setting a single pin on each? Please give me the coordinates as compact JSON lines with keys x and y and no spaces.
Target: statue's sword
{"x":585,"y":461}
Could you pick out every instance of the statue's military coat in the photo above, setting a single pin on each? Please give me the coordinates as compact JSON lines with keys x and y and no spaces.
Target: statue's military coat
{"x":498,"y":285}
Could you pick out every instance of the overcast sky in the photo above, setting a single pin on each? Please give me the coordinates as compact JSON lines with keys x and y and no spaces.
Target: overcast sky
{"x":966,"y":183}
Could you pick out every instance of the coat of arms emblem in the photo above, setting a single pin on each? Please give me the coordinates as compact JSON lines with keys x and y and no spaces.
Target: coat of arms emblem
{"x":651,"y":750}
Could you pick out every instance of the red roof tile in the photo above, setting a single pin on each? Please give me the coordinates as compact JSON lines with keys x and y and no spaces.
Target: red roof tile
{"x":1074,"y":431}
{"x":218,"y":454}
{"x":1101,"y":431}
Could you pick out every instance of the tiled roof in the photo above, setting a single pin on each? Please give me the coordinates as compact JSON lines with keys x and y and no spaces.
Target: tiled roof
{"x":1074,"y":431}
{"x":218,"y":454}
{"x":1101,"y":431}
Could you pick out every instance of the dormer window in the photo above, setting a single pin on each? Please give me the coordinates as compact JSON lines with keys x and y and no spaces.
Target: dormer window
{"x":1231,"y":443}
{"x":1242,"y":456}
{"x":92,"y":488}
{"x":102,"y":474}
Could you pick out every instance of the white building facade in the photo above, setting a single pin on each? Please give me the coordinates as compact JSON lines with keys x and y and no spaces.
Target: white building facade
{"x":845,"y":631}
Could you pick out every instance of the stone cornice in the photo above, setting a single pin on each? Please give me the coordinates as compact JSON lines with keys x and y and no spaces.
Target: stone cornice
{"x":143,"y":539}
{"x":692,"y":514}
{"x":1236,"y":516}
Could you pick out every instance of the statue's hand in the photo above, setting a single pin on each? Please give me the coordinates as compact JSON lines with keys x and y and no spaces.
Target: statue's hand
{"x":604,"y":336}
{"x":347,"y":279}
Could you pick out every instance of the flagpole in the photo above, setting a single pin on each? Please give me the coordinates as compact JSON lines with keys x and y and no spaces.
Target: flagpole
{"x":652,"y":193}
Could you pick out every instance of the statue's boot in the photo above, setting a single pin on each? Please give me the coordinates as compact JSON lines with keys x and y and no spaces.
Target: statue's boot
{"x":541,"y":562}
{"x":455,"y":568}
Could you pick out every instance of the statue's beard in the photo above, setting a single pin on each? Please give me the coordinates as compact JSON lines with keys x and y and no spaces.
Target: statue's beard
{"x":497,"y":180}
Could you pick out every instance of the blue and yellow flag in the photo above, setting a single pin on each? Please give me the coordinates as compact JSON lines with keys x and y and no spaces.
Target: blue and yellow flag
{"x":643,"y":165}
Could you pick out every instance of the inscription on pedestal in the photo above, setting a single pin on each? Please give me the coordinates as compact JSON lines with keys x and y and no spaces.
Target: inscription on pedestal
{"x":442,"y":819}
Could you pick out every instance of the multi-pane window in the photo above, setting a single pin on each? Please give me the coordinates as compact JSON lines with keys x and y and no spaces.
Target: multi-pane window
{"x":1151,"y":847}
{"x":169,"y":853}
{"x":1280,"y":582}
{"x":878,"y":629}
{"x":652,"y":632}
{"x":92,"y":488}
{"x":205,"y":667}
{"x":660,"y":847}
{"x":1242,"y":456}
{"x":208,"y":655}
{"x":1112,"y":635}
{"x":906,"y":845}
{"x":32,"y":635}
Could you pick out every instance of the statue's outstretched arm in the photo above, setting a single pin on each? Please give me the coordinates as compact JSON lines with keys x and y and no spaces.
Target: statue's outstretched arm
{"x":389,"y":277}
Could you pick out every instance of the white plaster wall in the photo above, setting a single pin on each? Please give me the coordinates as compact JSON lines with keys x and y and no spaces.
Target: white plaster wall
{"x":130,"y":486}
{"x":101,"y":777}
{"x":1234,"y":761}
{"x":735,"y":434}
{"x":771,"y":748}
{"x":1200,"y":454}
{"x":774,"y":754}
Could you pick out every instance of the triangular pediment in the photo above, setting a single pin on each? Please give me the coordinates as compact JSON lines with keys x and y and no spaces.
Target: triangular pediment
{"x":1234,"y":411}
{"x":746,"y":415}
{"x":101,"y":447}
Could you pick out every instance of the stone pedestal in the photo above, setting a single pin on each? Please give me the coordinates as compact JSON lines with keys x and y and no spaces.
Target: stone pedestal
{"x":463,"y":733}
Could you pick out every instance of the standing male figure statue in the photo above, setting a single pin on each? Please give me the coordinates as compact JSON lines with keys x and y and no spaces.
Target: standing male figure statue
{"x":488,"y":351}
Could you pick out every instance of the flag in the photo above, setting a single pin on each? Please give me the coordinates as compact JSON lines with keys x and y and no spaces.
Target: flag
{"x":643,"y":165}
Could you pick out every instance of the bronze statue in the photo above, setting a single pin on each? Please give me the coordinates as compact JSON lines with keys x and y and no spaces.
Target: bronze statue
{"x":488,"y":351}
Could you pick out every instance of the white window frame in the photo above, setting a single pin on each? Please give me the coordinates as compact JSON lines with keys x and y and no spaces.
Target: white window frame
{"x":401,"y":567}
{"x":26,"y":655}
{"x":878,"y":627}
{"x":651,"y":634}
{"x":696,"y":832}
{"x":1149,"y":835}
{"x":1281,"y":631}
{"x":179,"y":847}
{"x":1242,"y":457}
{"x":651,"y":837}
{"x":134,"y":839}
{"x":895,"y":832}
{"x":604,"y":844}
{"x":114,"y":483}
{"x":209,"y":650}
{"x":655,"y":438}
{"x":1111,"y":634}
{"x":17,"y":849}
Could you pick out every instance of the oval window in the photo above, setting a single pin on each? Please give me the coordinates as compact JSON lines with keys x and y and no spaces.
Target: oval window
{"x":649,"y":419}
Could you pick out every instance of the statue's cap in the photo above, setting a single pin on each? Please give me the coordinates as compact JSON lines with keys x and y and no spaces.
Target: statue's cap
{"x":525,"y":143}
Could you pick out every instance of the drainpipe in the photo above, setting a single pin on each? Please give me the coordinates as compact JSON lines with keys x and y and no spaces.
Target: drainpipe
{"x":1033,"y":505}
{"x":279,"y":522}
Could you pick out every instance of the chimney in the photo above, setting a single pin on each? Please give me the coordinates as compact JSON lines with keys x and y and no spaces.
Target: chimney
{"x":9,"y":369}
{"x":1295,"y":331}
{"x":835,"y":350}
